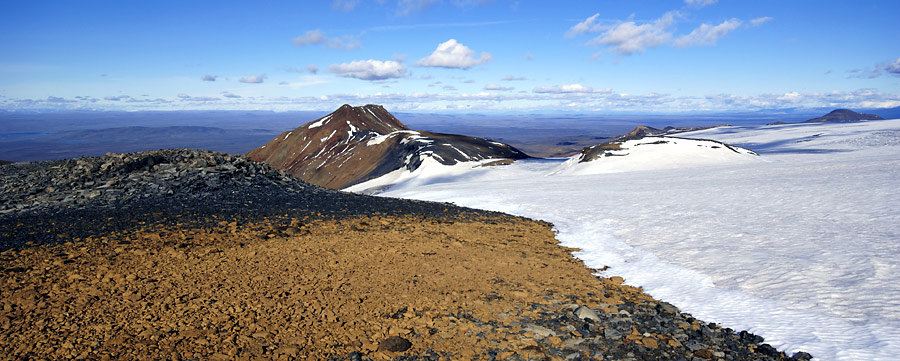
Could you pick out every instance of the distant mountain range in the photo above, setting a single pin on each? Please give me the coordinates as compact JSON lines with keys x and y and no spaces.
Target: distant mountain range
{"x":22,"y":147}
{"x":839,"y":116}
{"x":356,"y":144}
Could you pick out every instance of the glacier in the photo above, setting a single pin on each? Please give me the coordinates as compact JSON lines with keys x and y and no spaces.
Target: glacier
{"x":801,"y":247}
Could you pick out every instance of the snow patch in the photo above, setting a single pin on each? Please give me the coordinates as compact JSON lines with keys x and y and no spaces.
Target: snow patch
{"x":429,"y":171}
{"x":381,"y":138}
{"x":319,"y":123}
{"x":329,"y":136}
{"x":650,"y":153}
{"x":288,"y":135}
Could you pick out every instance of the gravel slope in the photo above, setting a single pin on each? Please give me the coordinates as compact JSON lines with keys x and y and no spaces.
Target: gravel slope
{"x":187,"y":254}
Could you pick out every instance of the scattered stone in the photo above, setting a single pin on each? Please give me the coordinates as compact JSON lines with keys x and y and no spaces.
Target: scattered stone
{"x":704,"y":354}
{"x":394,"y":344}
{"x":586,"y":313}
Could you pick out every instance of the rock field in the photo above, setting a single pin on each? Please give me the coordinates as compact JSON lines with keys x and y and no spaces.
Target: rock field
{"x":143,"y":257}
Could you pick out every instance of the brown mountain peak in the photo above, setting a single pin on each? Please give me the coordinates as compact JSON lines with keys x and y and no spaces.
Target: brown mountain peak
{"x":355,"y":144}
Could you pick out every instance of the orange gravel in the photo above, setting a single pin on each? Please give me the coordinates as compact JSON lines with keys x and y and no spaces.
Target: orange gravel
{"x":294,"y":291}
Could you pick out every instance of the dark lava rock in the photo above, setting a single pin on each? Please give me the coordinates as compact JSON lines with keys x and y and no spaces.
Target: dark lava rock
{"x":394,"y":344}
{"x":63,"y":200}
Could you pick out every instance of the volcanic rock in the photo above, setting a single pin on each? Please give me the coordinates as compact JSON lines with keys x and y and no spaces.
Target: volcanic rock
{"x":356,"y":144}
{"x":839,"y":116}
{"x":843,"y":115}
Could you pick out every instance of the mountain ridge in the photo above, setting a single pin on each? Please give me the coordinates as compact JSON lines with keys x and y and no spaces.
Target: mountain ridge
{"x":356,"y":144}
{"x":837,"y":116}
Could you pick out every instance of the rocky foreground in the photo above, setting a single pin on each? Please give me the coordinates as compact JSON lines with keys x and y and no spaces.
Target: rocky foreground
{"x":144,"y":256}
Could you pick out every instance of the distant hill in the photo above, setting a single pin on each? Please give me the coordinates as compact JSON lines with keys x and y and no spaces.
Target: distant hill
{"x":646,"y":148}
{"x":839,"y":116}
{"x":5,"y":162}
{"x":356,"y":144}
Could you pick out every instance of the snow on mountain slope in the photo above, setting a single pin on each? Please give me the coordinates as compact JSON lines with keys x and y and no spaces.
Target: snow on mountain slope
{"x":802,"y":248}
{"x":357,"y":144}
{"x":653,"y":152}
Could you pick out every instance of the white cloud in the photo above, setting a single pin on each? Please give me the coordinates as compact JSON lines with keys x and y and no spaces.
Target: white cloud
{"x":230,"y":95}
{"x":512,"y":78}
{"x":707,"y":34}
{"x":893,"y":68}
{"x":497,"y":87}
{"x":346,"y":42}
{"x":312,"y":68}
{"x":253,"y":79}
{"x":597,"y":100}
{"x":309,"y":38}
{"x":369,"y":69}
{"x":208,"y":77}
{"x":700,"y":3}
{"x":589,"y":25}
{"x":563,"y":89}
{"x":406,"y":7}
{"x":116,"y":98}
{"x":188,"y":98}
{"x":345,"y":5}
{"x":628,"y":37}
{"x":451,"y":54}
{"x":760,"y":21}
{"x":316,"y":37}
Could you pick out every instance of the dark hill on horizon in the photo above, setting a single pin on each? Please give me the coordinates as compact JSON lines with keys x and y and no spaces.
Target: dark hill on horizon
{"x":356,"y":144}
{"x":838,"y":116}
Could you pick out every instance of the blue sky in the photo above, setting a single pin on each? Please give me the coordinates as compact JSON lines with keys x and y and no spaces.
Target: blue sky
{"x":450,"y":55}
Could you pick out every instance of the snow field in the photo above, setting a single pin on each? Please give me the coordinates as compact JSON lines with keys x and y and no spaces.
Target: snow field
{"x":801,"y":247}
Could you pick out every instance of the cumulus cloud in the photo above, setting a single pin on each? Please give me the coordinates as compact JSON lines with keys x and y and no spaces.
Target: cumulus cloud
{"x":230,"y":95}
{"x":563,"y":89}
{"x":116,"y":98}
{"x":700,"y":3}
{"x":760,"y":21}
{"x":369,"y":69}
{"x":208,"y":77}
{"x":312,"y":68}
{"x":512,"y":78}
{"x":451,"y":54}
{"x":497,"y":87}
{"x":707,"y":34}
{"x":628,"y":37}
{"x":253,"y":79}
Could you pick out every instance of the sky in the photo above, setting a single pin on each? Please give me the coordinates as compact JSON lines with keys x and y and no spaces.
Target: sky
{"x":450,"y":55}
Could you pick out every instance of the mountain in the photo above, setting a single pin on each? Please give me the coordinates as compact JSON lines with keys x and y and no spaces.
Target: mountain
{"x":843,"y":115}
{"x":356,"y":144}
{"x":646,"y":148}
{"x":5,"y":162}
{"x":838,"y":116}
